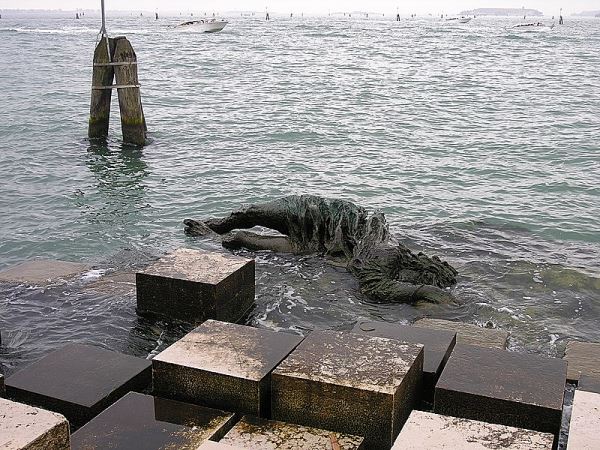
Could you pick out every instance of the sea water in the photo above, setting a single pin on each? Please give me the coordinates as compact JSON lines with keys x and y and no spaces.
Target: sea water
{"x":480,"y":144}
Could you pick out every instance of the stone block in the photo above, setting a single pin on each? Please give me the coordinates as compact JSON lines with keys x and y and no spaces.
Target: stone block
{"x":467,"y":333}
{"x":29,"y":428}
{"x":41,"y":272}
{"x":583,"y":359}
{"x":507,"y":388}
{"x":223,"y":365}
{"x":120,"y":283}
{"x":251,"y":432}
{"x":2,"y":388}
{"x":589,"y":384}
{"x":139,"y":421}
{"x":349,"y":383}
{"x":438,"y":345}
{"x":79,"y":381}
{"x":428,"y":431}
{"x":585,"y":422}
{"x":196,"y":285}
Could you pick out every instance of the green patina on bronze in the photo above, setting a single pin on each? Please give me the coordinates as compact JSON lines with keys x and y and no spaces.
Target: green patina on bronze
{"x":387,"y":270}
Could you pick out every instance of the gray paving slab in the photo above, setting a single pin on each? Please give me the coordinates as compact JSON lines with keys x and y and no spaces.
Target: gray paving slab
{"x":42,"y":272}
{"x":139,"y":421}
{"x":428,"y":431}
{"x":223,"y":365}
{"x":196,"y":285}
{"x":507,"y":388}
{"x":79,"y":381}
{"x":24,"y":427}
{"x":438,"y":345}
{"x":255,"y":433}
{"x":585,"y":422}
{"x":349,"y":383}
{"x":583,"y":359}
{"x":467,"y":333}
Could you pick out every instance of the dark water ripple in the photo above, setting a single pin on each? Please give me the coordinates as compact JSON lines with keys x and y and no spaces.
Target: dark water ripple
{"x":480,"y":144}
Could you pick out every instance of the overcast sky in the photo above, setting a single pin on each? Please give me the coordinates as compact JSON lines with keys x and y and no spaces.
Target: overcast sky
{"x":549,"y":7}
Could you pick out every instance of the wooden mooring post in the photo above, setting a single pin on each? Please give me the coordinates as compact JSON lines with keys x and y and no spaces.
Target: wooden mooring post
{"x":116,"y":59}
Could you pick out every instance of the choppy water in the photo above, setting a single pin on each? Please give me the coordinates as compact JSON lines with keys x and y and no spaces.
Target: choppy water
{"x":480,"y":145}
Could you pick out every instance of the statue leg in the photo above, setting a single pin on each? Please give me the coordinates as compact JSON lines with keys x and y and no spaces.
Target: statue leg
{"x":252,"y":241}
{"x":271,"y":215}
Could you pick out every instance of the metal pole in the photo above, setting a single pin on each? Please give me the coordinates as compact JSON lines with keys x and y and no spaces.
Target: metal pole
{"x":103,"y":29}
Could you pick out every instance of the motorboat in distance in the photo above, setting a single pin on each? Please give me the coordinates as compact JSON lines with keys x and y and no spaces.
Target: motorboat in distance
{"x":459,"y":19}
{"x":532,"y":26}
{"x":203,"y":25}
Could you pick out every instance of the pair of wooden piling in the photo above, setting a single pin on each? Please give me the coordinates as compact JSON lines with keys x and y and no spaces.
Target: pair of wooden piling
{"x":115,"y":58}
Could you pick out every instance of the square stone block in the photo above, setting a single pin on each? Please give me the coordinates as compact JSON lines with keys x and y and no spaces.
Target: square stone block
{"x":251,"y":432}
{"x":507,"y":388}
{"x":79,"y":381}
{"x":139,"y":421}
{"x":210,"y":445}
{"x":223,"y":365}
{"x":196,"y":285}
{"x":26,"y":427}
{"x":467,"y":333}
{"x":349,"y":383}
{"x":438,"y":345}
{"x":585,"y":422}
{"x":41,"y":271}
{"x":427,"y":431}
{"x":120,"y":283}
{"x":589,"y":384}
{"x":583,"y":359}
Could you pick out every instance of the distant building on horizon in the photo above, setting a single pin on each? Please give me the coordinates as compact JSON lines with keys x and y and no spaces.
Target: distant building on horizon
{"x":503,"y":12}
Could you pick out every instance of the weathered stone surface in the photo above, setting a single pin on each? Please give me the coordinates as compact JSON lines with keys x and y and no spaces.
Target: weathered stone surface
{"x":223,"y":365}
{"x":26,"y":427}
{"x":113,"y":284}
{"x":210,"y":445}
{"x":251,"y":432}
{"x":589,"y":384}
{"x":349,"y":383}
{"x":583,"y":359}
{"x":467,"y":333}
{"x":438,"y":346}
{"x":585,"y":422}
{"x":79,"y":381}
{"x":139,"y":421}
{"x":427,"y":431}
{"x":41,"y":271}
{"x":507,"y":388}
{"x":196,"y":285}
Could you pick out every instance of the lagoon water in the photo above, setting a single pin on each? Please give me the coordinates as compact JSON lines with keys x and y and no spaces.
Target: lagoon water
{"x":480,"y":144}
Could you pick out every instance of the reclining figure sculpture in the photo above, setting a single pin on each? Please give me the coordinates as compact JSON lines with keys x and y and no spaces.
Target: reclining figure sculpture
{"x":386,"y":270}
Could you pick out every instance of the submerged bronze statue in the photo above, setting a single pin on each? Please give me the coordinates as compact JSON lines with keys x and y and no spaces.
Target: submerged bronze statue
{"x":387,"y":270}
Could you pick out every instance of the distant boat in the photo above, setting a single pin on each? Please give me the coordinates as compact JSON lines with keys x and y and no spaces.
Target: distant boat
{"x":532,"y":26}
{"x":459,"y":19}
{"x":203,"y":26}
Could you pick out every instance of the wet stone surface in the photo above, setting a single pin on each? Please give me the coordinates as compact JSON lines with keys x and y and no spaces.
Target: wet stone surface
{"x":139,"y":421}
{"x":79,"y":381}
{"x":438,"y":345}
{"x":428,"y":431}
{"x":349,"y":383}
{"x":583,"y":359}
{"x":195,"y":285}
{"x":223,"y":365}
{"x":41,"y":272}
{"x":27,"y":427}
{"x":589,"y":384}
{"x":251,"y":432}
{"x":585,"y":422}
{"x":467,"y":333}
{"x":114,"y":284}
{"x":2,"y":388}
{"x":497,"y":386}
